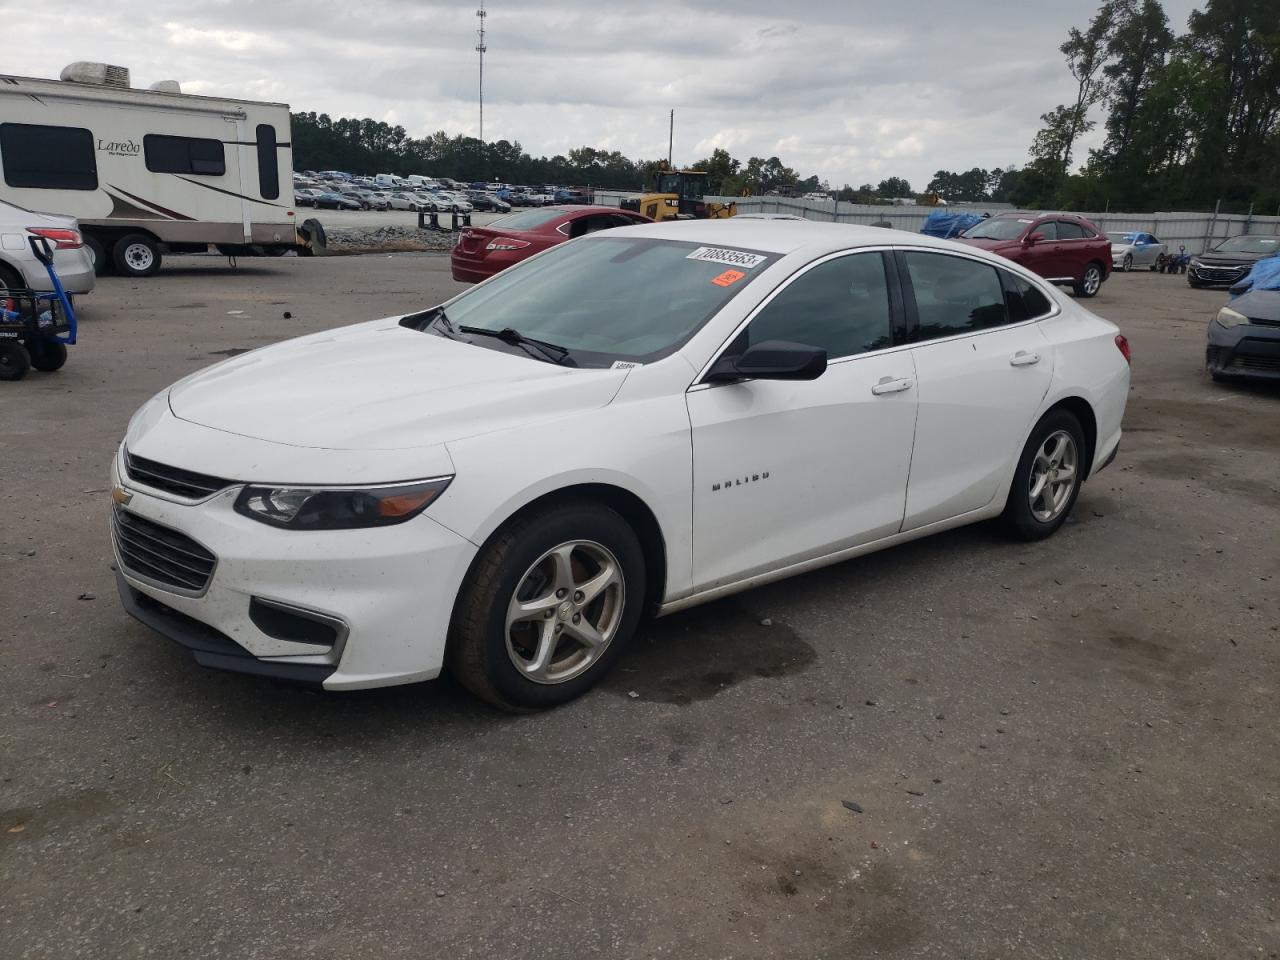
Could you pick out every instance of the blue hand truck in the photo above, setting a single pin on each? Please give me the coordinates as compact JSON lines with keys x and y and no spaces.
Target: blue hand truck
{"x":35,"y":328}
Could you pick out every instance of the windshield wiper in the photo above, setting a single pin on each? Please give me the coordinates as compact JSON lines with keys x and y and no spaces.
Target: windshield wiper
{"x":551,"y":352}
{"x":435,"y":317}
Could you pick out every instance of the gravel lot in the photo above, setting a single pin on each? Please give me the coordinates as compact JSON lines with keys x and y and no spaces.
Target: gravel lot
{"x":1066,"y":749}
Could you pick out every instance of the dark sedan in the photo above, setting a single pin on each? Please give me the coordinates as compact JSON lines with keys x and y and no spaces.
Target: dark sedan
{"x":335,"y":201}
{"x":1230,"y":260}
{"x":1244,"y":338}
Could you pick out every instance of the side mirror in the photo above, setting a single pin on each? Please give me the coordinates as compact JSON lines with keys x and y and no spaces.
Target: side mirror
{"x":1034,"y":238}
{"x":771,"y":360}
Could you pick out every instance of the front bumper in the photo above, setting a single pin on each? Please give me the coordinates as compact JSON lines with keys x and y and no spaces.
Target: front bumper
{"x":1248,"y":350}
{"x":389,"y":591}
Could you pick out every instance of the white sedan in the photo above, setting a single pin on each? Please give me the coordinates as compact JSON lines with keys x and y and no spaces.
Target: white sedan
{"x":1131,"y":249}
{"x":628,"y":424}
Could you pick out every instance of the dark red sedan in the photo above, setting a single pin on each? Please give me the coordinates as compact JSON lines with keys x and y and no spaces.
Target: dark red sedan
{"x":483,"y":251}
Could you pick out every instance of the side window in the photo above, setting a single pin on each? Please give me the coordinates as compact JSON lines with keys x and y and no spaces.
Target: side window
{"x":841,"y":306}
{"x":584,"y":225}
{"x":183,"y":155}
{"x":622,"y":220}
{"x":1048,"y":229}
{"x":954,"y":295}
{"x":1070,"y":231}
{"x":49,"y":158}
{"x":1151,"y":238}
{"x":268,"y":165}
{"x":1024,"y":299}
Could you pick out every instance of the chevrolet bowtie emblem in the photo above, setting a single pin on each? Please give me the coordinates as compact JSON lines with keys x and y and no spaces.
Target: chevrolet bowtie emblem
{"x":120,"y":495}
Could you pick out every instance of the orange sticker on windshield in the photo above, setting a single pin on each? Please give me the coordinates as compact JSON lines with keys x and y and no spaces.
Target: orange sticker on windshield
{"x":728,"y":277}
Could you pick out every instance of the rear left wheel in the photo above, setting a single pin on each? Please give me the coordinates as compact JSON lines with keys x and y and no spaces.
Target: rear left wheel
{"x":1048,"y":478}
{"x":548,"y":608}
{"x":1090,"y":283}
{"x":14,"y":360}
{"x":1127,"y":264}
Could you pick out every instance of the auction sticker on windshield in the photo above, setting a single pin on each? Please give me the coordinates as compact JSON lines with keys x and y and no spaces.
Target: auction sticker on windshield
{"x":732,"y":258}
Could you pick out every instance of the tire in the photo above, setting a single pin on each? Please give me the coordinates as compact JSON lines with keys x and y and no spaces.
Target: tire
{"x":136,"y":255}
{"x":1033,"y":518}
{"x":47,"y":355}
{"x":521,"y":558}
{"x":1127,"y":263}
{"x":1153,"y":267}
{"x":98,"y":253}
{"x":14,"y":360}
{"x":11,"y":279}
{"x":1090,"y":283}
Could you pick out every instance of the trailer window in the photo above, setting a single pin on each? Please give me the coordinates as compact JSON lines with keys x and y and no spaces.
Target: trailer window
{"x":268,"y":165}
{"x":48,"y":158}
{"x":165,"y":154}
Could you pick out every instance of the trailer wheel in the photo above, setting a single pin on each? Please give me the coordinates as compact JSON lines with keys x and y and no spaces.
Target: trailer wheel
{"x":136,"y":255}
{"x":47,"y":355}
{"x":97,"y":252}
{"x":14,"y":361}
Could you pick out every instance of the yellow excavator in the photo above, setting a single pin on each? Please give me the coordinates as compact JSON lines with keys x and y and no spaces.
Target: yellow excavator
{"x":679,"y":195}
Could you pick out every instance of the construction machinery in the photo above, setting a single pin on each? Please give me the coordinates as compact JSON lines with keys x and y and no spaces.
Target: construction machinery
{"x":679,"y":195}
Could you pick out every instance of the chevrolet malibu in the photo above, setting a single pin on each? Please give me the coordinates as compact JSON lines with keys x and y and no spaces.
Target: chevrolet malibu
{"x":628,"y":424}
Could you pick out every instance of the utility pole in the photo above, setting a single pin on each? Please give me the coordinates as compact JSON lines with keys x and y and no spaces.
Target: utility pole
{"x":671,"y":136}
{"x":480,"y":49}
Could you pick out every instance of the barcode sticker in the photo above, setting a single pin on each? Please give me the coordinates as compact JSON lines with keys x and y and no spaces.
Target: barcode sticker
{"x":732,"y":258}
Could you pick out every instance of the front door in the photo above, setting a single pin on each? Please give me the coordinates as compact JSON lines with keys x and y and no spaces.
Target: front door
{"x":1043,"y":256}
{"x":981,"y":373}
{"x":785,"y":471}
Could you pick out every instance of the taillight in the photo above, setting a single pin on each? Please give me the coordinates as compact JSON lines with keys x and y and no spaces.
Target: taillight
{"x":1123,"y":346}
{"x":506,"y":243}
{"x":63,"y":239}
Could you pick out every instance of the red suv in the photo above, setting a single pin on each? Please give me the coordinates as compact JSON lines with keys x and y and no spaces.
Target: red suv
{"x":1061,"y":247}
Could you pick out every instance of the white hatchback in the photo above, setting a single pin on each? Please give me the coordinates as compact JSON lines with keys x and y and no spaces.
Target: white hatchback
{"x":630,"y":423}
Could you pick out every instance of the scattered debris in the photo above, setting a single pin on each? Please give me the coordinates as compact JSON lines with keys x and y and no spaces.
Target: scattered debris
{"x":916,"y":793}
{"x":632,"y":694}
{"x":851,"y":805}
{"x":88,"y":596}
{"x":766,"y":622}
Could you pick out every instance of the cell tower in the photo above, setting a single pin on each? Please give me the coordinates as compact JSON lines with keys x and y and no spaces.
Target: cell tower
{"x":480,"y":49}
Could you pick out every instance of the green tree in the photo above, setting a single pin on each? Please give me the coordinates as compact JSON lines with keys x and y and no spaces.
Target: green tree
{"x":894,"y":187}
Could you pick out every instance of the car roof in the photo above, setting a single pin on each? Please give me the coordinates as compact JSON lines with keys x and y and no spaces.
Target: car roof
{"x":783,"y":236}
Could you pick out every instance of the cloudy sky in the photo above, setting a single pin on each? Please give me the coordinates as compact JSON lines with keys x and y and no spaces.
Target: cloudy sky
{"x":854,"y":91}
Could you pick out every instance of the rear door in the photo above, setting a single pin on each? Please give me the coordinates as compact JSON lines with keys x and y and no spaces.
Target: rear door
{"x":785,"y":471}
{"x":983,"y":367}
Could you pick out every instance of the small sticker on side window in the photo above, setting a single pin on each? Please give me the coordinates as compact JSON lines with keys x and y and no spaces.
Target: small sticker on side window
{"x":728,"y":278}
{"x":731,"y":258}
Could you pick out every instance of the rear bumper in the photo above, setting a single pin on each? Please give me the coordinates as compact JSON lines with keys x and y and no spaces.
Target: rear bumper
{"x":468,"y":273}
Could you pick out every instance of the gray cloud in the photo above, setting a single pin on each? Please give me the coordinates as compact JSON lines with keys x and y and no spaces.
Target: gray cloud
{"x":852,"y":91}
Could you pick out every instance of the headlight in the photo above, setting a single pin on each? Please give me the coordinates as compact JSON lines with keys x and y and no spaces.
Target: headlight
{"x":339,"y":508}
{"x":1196,"y":263}
{"x":1231,"y":318}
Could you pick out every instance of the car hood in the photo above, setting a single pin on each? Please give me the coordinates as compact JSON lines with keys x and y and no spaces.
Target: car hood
{"x":380,"y":386}
{"x":1259,"y":305}
{"x":1228,"y":259}
{"x":984,"y":243}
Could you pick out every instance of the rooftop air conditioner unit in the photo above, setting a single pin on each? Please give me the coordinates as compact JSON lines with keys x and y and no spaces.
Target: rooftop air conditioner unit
{"x":102,"y":74}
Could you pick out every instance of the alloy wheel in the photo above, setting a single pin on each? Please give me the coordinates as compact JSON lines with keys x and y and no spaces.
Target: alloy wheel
{"x":1092,"y":280}
{"x":1127,"y":265}
{"x":565,"y":611}
{"x":1053,"y":476}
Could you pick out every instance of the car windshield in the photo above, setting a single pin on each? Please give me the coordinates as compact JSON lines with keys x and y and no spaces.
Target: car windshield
{"x":611,"y":298}
{"x":1120,"y":237}
{"x":997,"y":229}
{"x":1249,"y":245}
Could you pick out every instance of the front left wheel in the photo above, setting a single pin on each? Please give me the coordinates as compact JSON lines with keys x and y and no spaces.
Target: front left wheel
{"x":548,"y":607}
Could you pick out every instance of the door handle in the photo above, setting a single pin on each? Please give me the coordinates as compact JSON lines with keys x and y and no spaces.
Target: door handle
{"x":892,"y":385}
{"x":1024,"y":359}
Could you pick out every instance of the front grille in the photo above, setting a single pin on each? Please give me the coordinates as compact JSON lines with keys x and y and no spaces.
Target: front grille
{"x":159,"y":554}
{"x":175,"y":480}
{"x":1220,"y":274}
{"x":1256,"y":363}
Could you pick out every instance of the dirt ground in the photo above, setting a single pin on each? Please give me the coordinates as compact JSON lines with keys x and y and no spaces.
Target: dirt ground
{"x":958,"y":748}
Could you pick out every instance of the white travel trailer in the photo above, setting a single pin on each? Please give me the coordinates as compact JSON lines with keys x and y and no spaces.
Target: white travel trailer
{"x":148,"y":171}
